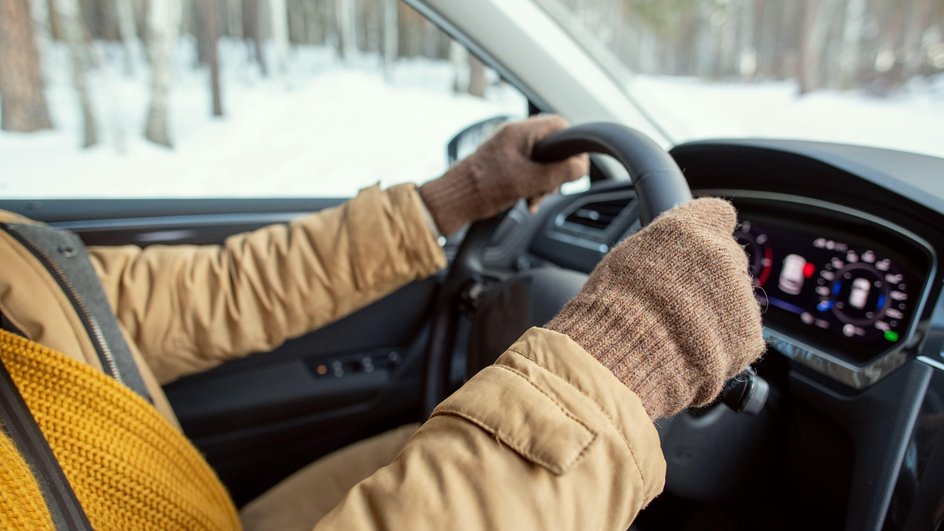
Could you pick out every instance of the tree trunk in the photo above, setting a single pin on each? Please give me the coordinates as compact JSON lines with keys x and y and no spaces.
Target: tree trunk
{"x":163,"y":28}
{"x":213,"y":16}
{"x":198,"y":12}
{"x":390,"y":35}
{"x":477,"y":81}
{"x":328,"y":10}
{"x":371,"y":20}
{"x":252,"y":27}
{"x":459,"y":58}
{"x":209,"y":17}
{"x":278,"y":20}
{"x":347,"y":28}
{"x":128,"y":30}
{"x":234,"y":18}
{"x":919,"y":21}
{"x":852,"y":30}
{"x":411,"y":32}
{"x":42,"y":26}
{"x":70,"y":20}
{"x":314,"y":13}
{"x":808,"y":68}
{"x":295,"y":11}
{"x":23,"y":101}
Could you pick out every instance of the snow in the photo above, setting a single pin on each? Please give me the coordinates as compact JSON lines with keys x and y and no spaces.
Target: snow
{"x":326,"y":127}
{"x":909,"y":120}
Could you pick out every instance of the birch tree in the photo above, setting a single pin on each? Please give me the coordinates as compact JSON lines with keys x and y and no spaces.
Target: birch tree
{"x":22,"y":100}
{"x":128,"y":30}
{"x":370,"y":19}
{"x":42,"y":27}
{"x":234,"y":18}
{"x":347,"y":28}
{"x":313,"y":14}
{"x":213,"y":20}
{"x":390,"y":39}
{"x":252,"y":31}
{"x":278,"y":20}
{"x":819,"y":16}
{"x":477,"y":80}
{"x":297,"y":22}
{"x":459,"y":57}
{"x":72,"y":28}
{"x":163,"y":23}
{"x":208,"y":15}
{"x":198,"y":14}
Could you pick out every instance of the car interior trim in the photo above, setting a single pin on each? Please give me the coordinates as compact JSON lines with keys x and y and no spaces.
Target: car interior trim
{"x":177,"y":222}
{"x":937,"y":364}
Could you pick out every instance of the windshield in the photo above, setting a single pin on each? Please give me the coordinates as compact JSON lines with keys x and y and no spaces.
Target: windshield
{"x":849,"y":71}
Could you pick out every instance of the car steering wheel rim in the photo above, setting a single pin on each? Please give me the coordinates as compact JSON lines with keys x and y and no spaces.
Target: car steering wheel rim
{"x":659,"y":185}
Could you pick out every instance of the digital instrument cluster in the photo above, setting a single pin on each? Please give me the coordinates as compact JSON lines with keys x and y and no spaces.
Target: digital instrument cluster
{"x":846,"y":286}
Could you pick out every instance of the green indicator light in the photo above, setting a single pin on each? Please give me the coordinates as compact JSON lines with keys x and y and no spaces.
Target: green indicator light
{"x":891,"y":335}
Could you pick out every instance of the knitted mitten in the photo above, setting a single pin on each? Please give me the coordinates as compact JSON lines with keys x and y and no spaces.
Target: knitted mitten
{"x":670,"y":311}
{"x":499,"y":173}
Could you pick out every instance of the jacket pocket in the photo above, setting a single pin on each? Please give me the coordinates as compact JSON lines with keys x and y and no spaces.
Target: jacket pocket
{"x":522,"y":416}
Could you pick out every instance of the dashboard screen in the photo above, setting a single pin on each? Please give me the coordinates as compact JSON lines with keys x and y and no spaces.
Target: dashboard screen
{"x":843,"y":284}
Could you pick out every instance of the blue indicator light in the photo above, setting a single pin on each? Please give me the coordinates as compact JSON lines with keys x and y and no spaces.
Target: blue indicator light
{"x":836,"y":287}
{"x":784,"y":305}
{"x":881,"y":301}
{"x":824,"y":305}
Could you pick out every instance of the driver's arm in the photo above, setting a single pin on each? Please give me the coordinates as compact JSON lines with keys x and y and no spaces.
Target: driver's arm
{"x":557,"y":433}
{"x":190,"y":308}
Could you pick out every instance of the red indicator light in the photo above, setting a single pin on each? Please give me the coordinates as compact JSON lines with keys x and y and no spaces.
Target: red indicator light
{"x":808,"y":270}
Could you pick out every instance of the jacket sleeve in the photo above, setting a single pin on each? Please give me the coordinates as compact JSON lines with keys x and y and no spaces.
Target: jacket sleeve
{"x":546,"y":438}
{"x":190,"y":308}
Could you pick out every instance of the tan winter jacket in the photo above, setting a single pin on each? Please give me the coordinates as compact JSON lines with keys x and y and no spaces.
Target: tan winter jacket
{"x":547,"y":438}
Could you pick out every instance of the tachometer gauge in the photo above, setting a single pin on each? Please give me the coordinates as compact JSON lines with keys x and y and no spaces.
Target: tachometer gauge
{"x":759,"y":255}
{"x":866,"y":293}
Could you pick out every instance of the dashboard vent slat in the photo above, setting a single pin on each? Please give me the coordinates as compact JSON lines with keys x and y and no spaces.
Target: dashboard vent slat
{"x":597,"y":215}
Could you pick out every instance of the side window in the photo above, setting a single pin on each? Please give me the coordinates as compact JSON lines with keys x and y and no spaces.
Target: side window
{"x":225,"y":98}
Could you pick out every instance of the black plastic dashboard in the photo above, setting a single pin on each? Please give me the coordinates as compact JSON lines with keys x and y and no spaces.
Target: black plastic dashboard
{"x":844,"y":244}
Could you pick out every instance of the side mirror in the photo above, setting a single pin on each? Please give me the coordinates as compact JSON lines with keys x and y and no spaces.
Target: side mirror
{"x":466,"y":141}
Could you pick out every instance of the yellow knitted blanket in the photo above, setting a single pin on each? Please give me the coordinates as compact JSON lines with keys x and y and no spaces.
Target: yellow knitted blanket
{"x":129,"y":468}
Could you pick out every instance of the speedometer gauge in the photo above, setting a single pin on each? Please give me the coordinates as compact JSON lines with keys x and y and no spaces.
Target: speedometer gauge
{"x":759,"y":254}
{"x":866,"y":293}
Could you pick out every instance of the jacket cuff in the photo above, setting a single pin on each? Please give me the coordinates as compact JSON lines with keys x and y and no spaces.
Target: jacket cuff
{"x":390,"y":237}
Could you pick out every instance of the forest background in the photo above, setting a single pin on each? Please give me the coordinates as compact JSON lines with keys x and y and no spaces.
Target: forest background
{"x":100,"y":89}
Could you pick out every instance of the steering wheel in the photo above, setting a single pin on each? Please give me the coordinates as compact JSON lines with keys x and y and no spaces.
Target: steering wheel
{"x":659,"y":186}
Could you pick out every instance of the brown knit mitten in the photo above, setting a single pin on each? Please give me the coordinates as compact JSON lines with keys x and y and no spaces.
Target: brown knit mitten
{"x":670,"y":311}
{"x":499,"y":173}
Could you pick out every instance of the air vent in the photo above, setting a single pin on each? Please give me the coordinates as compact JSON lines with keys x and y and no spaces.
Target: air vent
{"x":599,"y":218}
{"x":597,"y":215}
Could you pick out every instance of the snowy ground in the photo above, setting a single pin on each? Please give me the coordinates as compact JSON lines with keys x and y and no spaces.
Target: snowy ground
{"x":321,"y":129}
{"x":691,"y":109}
{"x":326,"y":129}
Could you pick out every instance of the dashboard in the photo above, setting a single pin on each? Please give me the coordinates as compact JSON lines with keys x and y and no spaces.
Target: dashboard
{"x":843,"y":245}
